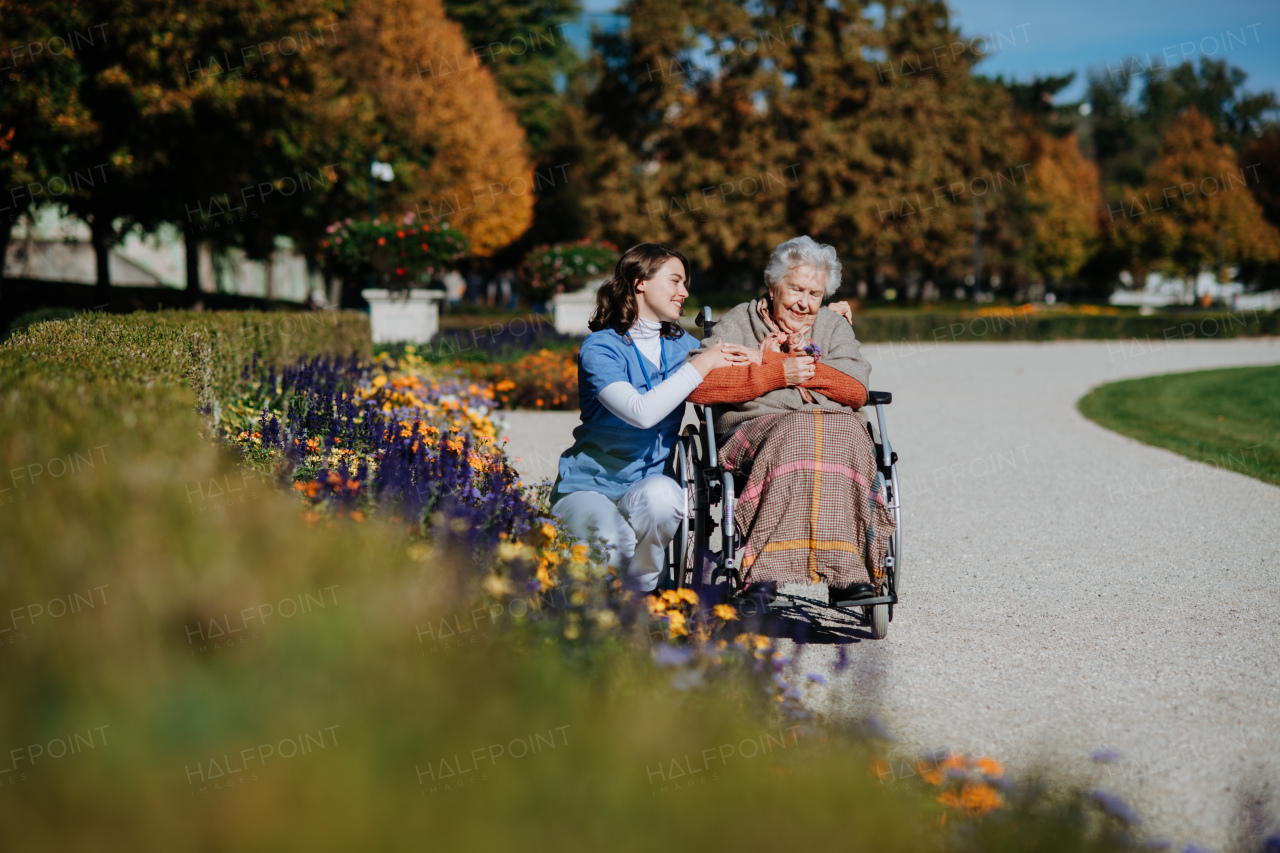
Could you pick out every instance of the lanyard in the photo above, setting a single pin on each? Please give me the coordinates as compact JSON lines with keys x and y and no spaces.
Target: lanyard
{"x":640,"y":358}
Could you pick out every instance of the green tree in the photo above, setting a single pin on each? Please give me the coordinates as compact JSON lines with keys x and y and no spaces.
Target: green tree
{"x":1124,"y":133}
{"x":523,"y":44}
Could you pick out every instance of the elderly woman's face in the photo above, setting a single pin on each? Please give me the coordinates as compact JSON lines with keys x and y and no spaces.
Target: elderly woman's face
{"x":798,"y":297}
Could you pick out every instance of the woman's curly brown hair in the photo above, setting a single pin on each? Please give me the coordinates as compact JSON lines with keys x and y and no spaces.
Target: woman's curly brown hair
{"x":616,"y":299}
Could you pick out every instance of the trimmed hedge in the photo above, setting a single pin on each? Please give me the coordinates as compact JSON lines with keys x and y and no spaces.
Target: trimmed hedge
{"x":965,"y":327}
{"x":234,"y":678}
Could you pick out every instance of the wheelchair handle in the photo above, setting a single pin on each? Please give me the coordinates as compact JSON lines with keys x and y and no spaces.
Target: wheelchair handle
{"x":879,"y":398}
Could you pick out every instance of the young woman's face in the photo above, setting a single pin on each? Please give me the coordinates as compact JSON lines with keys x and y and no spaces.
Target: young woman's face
{"x":798,"y":297}
{"x":661,"y":298}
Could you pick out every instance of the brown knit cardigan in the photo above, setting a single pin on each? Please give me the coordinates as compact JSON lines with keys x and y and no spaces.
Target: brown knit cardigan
{"x":754,"y":390}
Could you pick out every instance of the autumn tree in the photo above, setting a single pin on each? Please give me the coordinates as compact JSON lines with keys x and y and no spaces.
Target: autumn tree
{"x":727,"y":127}
{"x":459,"y":154}
{"x":1065,"y":197}
{"x":1196,"y":211}
{"x":1124,"y":133}
{"x":175,"y":106}
{"x":41,"y":111}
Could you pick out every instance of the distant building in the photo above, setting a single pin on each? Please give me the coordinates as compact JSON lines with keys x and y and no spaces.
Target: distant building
{"x":59,"y":248}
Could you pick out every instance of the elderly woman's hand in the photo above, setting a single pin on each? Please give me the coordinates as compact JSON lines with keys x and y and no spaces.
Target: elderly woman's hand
{"x":799,"y":370}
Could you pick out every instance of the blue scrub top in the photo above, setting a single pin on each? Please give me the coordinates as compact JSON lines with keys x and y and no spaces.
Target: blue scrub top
{"x":609,"y":455}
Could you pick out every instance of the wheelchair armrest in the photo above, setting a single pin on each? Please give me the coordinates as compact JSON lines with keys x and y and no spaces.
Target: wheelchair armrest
{"x":879,"y":398}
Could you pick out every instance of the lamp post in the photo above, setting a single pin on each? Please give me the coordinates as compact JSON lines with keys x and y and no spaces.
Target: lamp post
{"x":378,"y":171}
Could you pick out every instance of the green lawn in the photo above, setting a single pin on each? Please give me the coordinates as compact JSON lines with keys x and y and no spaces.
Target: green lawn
{"x":1229,"y":418}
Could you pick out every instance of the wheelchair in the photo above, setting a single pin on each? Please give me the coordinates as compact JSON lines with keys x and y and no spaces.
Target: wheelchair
{"x":710,"y":491}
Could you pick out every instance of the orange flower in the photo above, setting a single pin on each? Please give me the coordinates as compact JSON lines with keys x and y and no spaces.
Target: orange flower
{"x":990,"y":768}
{"x":931,"y":775}
{"x":975,"y":798}
{"x":382,"y":241}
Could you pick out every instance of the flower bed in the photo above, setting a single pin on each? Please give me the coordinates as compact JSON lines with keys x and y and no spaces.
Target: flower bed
{"x":546,"y":379}
{"x":396,"y":252}
{"x":565,"y":267}
{"x":391,"y":435}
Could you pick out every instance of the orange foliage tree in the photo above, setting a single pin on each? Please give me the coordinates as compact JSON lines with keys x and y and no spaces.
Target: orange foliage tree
{"x":1065,"y":195}
{"x":435,"y":113}
{"x":1197,"y":212}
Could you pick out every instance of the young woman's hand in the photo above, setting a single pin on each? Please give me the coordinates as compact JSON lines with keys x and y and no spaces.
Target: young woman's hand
{"x":721,"y":354}
{"x":842,"y":308}
{"x":800,"y":370}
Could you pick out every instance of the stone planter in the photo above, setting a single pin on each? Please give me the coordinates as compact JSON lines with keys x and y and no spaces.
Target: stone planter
{"x":572,"y":311}
{"x":412,"y":316}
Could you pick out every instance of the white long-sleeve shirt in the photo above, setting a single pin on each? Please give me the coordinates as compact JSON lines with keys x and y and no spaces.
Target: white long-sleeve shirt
{"x":647,"y":410}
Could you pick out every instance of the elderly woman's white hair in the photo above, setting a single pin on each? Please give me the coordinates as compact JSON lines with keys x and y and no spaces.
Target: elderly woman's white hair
{"x":803,"y":252}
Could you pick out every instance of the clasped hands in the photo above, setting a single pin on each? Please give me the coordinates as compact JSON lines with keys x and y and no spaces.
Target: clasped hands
{"x":796,"y":370}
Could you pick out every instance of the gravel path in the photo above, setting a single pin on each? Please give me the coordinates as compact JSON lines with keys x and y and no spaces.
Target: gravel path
{"x":1066,"y":589}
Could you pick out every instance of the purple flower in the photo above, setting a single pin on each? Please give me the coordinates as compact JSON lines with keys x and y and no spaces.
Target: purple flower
{"x":1105,"y":756}
{"x":816,"y":678}
{"x":876,"y":729}
{"x":669,"y":655}
{"x":1115,"y":806}
{"x":812,"y":349}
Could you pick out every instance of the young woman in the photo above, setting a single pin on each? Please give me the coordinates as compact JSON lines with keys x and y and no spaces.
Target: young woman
{"x":633,"y":378}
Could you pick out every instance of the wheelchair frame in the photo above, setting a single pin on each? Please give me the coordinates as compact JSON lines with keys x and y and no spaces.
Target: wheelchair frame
{"x":696,"y":466}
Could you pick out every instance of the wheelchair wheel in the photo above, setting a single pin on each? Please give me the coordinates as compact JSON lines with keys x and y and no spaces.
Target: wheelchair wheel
{"x":878,"y":620}
{"x":691,"y":537}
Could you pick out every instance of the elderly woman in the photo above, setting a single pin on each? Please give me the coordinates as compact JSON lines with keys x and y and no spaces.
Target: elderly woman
{"x":812,"y":509}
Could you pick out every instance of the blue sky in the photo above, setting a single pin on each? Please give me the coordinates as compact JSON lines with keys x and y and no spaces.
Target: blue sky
{"x":1057,"y":37}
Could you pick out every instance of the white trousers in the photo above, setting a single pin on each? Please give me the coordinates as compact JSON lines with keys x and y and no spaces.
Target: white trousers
{"x":636,"y":530}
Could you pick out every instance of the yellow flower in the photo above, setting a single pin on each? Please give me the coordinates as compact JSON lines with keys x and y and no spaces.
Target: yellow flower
{"x":725,"y":612}
{"x":548,"y":532}
{"x":687,"y":595}
{"x":544,"y":576}
{"x":497,"y":586}
{"x":677,"y":622}
{"x":579,"y":553}
{"x":606,"y":619}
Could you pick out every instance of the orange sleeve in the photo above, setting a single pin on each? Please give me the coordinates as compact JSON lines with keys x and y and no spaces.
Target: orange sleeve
{"x":740,"y":384}
{"x":834,"y":385}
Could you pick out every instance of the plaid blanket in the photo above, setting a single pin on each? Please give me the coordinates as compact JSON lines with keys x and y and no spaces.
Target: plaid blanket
{"x":813,"y":507}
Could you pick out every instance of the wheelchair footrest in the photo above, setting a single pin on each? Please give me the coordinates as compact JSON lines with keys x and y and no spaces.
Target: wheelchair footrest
{"x":867,"y":602}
